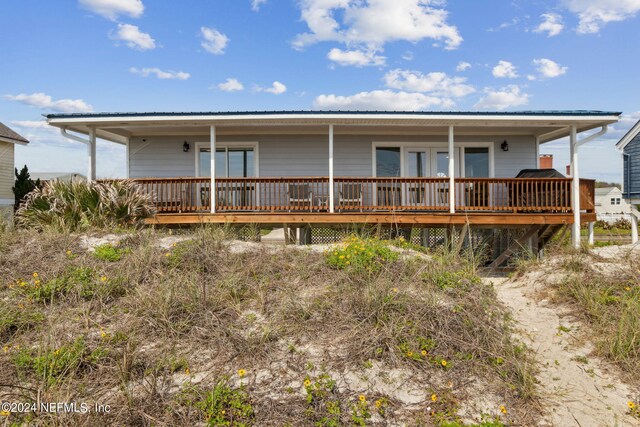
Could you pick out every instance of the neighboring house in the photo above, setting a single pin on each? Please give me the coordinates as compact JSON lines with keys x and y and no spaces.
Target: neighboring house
{"x":8,"y":139}
{"x":630,"y":147}
{"x":413,"y":169}
{"x":610,"y":205}
{"x":57,"y":176}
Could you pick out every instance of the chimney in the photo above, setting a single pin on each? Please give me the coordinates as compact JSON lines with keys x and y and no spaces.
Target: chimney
{"x":546,"y":161}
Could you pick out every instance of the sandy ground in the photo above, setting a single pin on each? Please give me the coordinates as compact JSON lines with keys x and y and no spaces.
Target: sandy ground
{"x":578,"y":389}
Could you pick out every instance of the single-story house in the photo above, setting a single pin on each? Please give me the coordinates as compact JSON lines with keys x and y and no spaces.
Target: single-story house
{"x":8,"y":139}
{"x":57,"y":176}
{"x":423,"y":169}
{"x":630,"y":147}
{"x":610,"y":205}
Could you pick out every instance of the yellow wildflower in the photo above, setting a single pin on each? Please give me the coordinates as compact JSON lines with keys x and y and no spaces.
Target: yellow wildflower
{"x":348,"y":262}
{"x":444,"y":363}
{"x":362,"y":398}
{"x":103,"y":334}
{"x":307,"y":383}
{"x":434,"y":397}
{"x":68,"y":252}
{"x":503,"y":409}
{"x":5,"y":348}
{"x":35,"y":274}
{"x":395,"y":290}
{"x":378,"y":403}
{"x":409,"y":353}
{"x":103,"y":278}
{"x":5,"y":413}
{"x":341,"y":257}
{"x":424,"y":352}
{"x":37,"y":282}
{"x":628,"y":288}
{"x":631,"y":405}
{"x":242,"y":373}
{"x":167,"y":254}
{"x":187,"y":371}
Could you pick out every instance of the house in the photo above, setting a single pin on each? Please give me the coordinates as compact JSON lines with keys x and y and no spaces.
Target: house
{"x":8,"y":139}
{"x":326,"y":168}
{"x":57,"y":176}
{"x":611,"y":206}
{"x":630,"y":147}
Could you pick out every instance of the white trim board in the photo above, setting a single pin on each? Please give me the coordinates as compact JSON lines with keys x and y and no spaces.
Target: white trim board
{"x":7,"y":202}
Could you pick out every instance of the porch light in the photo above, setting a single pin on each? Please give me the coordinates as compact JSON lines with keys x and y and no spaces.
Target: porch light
{"x":185,"y":147}
{"x":504,"y":146}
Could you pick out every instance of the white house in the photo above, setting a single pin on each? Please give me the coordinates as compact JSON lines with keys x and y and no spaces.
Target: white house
{"x":424,"y":169}
{"x":8,"y":139}
{"x":610,"y":205}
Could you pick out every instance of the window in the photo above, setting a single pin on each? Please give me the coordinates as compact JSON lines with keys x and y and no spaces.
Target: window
{"x":476,"y":162}
{"x":615,"y":200}
{"x":417,"y":163}
{"x":388,"y":161}
{"x":230,"y":162}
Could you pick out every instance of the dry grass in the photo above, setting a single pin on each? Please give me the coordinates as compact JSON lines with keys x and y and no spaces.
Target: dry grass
{"x":165,"y":331}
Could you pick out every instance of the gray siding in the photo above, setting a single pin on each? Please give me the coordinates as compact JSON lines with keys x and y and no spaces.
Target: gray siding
{"x":632,"y":169}
{"x":306,"y":155}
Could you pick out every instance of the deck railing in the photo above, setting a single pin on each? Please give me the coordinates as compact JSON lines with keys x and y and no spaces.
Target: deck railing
{"x":367,"y":194}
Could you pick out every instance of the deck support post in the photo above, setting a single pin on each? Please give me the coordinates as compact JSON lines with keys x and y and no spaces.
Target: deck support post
{"x":212,"y":188}
{"x":331,"y":189}
{"x":91,"y":151}
{"x":634,"y":225}
{"x":591,"y":239}
{"x":575,"y":188}
{"x":452,"y":196}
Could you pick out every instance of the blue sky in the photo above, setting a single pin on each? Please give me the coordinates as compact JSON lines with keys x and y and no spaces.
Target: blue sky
{"x":206,"y":55}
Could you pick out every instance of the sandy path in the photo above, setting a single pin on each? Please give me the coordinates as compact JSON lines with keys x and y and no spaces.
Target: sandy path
{"x":577,"y":388}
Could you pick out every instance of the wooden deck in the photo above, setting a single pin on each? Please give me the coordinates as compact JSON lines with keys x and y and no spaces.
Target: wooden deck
{"x":360,"y":200}
{"x":334,"y":219}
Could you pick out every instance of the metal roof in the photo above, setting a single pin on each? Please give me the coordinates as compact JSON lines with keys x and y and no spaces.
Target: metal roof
{"x":541,"y":113}
{"x":8,"y":134}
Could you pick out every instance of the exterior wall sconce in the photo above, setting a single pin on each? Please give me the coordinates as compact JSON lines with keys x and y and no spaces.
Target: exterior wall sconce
{"x":504,"y":146}
{"x":185,"y":147}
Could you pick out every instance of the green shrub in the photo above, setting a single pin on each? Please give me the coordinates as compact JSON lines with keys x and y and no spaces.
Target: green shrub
{"x":81,"y":281}
{"x":109,"y":253}
{"x":54,"y":364}
{"x":78,"y":205}
{"x":224,"y":405}
{"x":360,"y":254}
{"x":14,"y":318}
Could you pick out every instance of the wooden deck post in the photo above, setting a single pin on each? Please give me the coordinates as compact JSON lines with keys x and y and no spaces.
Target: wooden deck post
{"x":331,"y":189}
{"x":452,"y":196}
{"x":212,"y":189}
{"x":575,"y":188}
{"x":91,"y":151}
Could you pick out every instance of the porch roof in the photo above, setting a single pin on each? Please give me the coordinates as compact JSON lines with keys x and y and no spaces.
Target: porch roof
{"x":545,"y":125}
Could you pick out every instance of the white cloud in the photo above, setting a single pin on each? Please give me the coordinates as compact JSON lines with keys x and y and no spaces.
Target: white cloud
{"x":437,"y":84}
{"x":255,"y":4}
{"x":407,"y":56}
{"x":462,"y":66}
{"x":276,"y":88}
{"x":33,"y":124}
{"x":376,"y":22}
{"x":380,"y":100}
{"x":501,"y":99}
{"x":357,"y":58}
{"x":163,"y":75}
{"x":231,"y":85}
{"x":111,"y":9}
{"x":505,"y":69}
{"x":512,"y":23}
{"x":133,"y":37}
{"x":549,"y":69}
{"x":594,"y":14}
{"x":213,"y":41}
{"x":551,"y":24}
{"x":45,"y":102}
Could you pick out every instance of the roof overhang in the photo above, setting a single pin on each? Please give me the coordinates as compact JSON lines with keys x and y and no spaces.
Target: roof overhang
{"x":13,"y":141}
{"x":544,"y":125}
{"x":633,"y":132}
